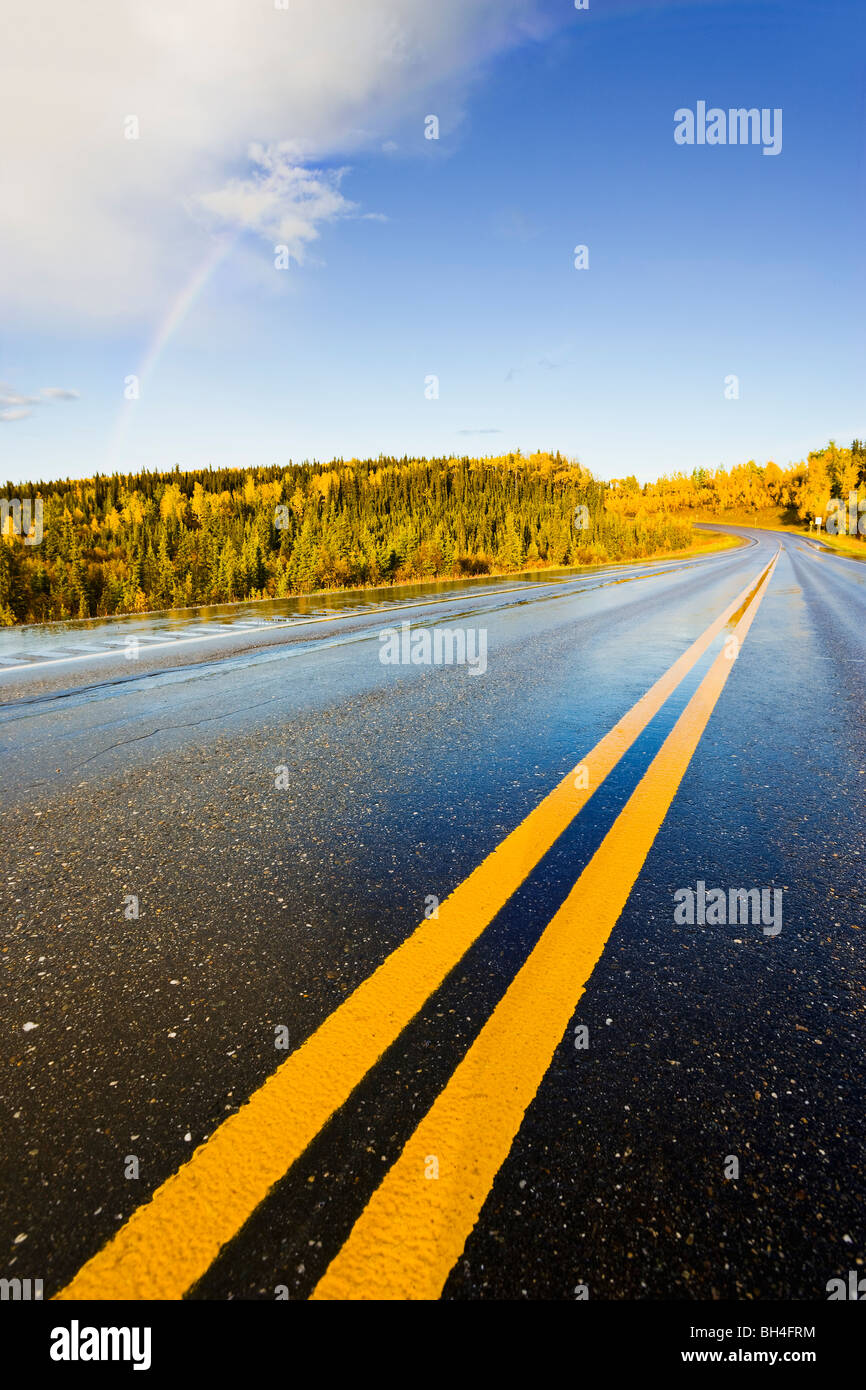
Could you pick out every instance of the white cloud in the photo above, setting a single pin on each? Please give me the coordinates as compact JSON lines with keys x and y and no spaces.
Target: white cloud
{"x":281,"y":200}
{"x":242,"y":111}
{"x":20,"y":405}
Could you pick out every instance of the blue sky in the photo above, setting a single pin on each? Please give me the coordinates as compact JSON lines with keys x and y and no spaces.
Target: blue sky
{"x":453,"y":257}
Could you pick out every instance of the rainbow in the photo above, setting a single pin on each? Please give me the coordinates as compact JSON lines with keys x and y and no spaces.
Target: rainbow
{"x":166,"y":330}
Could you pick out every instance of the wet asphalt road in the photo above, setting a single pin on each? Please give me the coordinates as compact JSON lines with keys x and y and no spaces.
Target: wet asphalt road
{"x":261,"y":907}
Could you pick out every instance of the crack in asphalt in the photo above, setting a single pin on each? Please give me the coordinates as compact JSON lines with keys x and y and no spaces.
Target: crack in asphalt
{"x":162,"y":729}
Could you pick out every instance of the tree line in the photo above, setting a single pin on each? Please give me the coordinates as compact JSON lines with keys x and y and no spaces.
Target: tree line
{"x":799,"y":493}
{"x":132,"y":543}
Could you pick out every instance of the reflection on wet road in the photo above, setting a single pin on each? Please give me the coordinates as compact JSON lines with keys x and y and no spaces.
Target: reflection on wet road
{"x":218,"y":852}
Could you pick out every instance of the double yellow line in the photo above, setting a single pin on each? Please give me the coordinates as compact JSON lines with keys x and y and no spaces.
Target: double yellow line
{"x":414,"y":1227}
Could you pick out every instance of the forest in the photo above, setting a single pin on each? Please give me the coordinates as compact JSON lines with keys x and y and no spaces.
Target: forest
{"x":165,"y":540}
{"x":151,"y":541}
{"x":795,"y":495}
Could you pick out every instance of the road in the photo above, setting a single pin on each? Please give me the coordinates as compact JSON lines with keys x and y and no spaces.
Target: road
{"x":372,"y":972}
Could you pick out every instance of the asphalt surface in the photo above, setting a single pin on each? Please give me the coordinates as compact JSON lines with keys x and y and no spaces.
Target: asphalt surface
{"x":154,"y":776}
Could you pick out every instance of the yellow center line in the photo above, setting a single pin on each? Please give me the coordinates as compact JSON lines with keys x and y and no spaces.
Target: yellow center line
{"x":170,"y":1241}
{"x":415,"y":1226}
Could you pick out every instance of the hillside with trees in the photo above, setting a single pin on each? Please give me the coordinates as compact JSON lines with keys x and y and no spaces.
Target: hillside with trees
{"x":794,"y":495}
{"x":131,"y":544}
{"x":151,"y":541}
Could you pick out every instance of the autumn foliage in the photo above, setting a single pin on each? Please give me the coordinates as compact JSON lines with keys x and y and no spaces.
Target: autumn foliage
{"x":130,"y":544}
{"x":149,"y":541}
